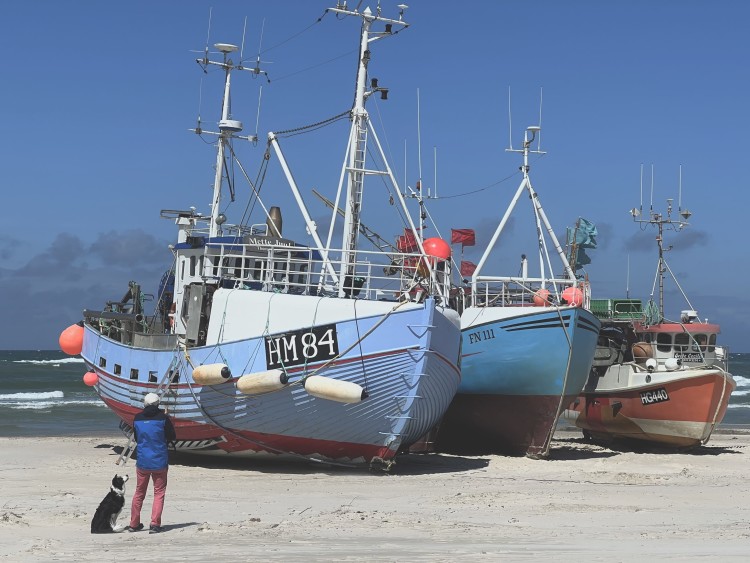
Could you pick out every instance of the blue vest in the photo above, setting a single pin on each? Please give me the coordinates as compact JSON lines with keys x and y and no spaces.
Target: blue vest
{"x":152,"y":431}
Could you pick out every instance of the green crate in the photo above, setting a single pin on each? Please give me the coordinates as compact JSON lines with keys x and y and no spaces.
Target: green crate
{"x":622,"y":309}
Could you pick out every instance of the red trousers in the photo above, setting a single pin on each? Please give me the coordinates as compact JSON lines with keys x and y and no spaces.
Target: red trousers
{"x":160,"y":488}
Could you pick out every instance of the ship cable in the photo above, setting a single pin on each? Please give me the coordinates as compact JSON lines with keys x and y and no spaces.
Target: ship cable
{"x":310,"y":127}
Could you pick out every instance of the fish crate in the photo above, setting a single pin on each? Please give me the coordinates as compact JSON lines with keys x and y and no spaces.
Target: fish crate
{"x":619,"y":309}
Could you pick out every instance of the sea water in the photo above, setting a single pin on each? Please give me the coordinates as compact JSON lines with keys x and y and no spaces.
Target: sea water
{"x":42,"y":394}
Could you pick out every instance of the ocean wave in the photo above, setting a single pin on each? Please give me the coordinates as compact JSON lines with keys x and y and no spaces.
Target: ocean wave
{"x":50,"y":362}
{"x":32,"y":396}
{"x":741,"y":393}
{"x":736,"y":406}
{"x":41,"y":405}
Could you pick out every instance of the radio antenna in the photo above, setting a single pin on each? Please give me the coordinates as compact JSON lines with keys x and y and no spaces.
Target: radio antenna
{"x":510,"y":124}
{"x":405,"y":180}
{"x":435,"y":158}
{"x":679,"y":193}
{"x":651,"y":208}
{"x":208,"y":33}
{"x":242,"y":47}
{"x":627,"y":280}
{"x":641,"y":208}
{"x":419,"y":139}
{"x":539,"y":133}
{"x":257,"y":117}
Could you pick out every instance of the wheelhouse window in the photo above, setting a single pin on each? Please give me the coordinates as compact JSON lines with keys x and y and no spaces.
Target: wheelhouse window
{"x":133,"y":373}
{"x":152,"y":377}
{"x":664,"y":342}
{"x":682,"y":342}
{"x":102,"y":362}
{"x":711,"y":342}
{"x":700,"y":342}
{"x":118,"y":369}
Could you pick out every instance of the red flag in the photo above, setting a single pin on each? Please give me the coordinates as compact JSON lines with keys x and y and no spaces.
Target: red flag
{"x":407,"y":242}
{"x":464,"y":236}
{"x":467,"y":268}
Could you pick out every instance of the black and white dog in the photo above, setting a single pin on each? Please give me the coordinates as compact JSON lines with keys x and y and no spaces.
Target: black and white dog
{"x":105,"y":518}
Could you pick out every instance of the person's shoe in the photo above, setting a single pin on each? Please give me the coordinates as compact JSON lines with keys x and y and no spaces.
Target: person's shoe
{"x":138,"y":528}
{"x":155,"y":529}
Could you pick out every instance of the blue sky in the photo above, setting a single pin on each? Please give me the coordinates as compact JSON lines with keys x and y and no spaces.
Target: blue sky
{"x":97,"y":99}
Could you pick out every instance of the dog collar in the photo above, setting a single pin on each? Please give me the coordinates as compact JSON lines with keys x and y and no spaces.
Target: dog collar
{"x":116,"y":490}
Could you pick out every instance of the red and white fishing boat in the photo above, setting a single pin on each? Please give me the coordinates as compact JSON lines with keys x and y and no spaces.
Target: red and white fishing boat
{"x":658,"y":381}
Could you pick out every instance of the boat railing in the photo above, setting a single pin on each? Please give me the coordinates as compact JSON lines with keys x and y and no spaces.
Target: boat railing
{"x":502,"y":291}
{"x":308,"y":271}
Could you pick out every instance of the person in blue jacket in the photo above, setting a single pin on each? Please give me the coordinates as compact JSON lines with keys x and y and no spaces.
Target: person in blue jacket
{"x":153,"y":433}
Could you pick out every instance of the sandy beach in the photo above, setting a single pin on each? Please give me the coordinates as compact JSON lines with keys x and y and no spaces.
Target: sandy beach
{"x":586,"y":502}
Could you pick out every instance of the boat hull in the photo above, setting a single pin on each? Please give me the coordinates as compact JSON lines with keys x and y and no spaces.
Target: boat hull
{"x":680,"y":411}
{"x":405,"y":357}
{"x":514,"y":380}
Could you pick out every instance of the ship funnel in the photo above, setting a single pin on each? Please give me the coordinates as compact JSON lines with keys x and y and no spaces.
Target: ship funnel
{"x":274,"y":222}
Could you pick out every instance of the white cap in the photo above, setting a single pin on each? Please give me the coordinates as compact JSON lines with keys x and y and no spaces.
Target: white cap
{"x":151,"y":399}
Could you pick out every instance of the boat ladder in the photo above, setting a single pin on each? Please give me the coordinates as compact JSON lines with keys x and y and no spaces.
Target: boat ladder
{"x":129,"y":431}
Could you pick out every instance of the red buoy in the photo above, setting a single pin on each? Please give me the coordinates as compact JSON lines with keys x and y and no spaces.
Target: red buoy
{"x":437,"y":247}
{"x":541,"y":298}
{"x":573,"y":296}
{"x":90,"y":378}
{"x":71,"y":340}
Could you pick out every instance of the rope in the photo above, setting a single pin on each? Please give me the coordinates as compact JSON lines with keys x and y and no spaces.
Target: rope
{"x":288,"y":39}
{"x":260,"y":443}
{"x":312,"y":126}
{"x":714,"y":422}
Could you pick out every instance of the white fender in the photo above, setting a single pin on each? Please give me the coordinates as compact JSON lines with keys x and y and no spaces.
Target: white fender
{"x":334,"y":389}
{"x":211,"y":374}
{"x":262,"y":382}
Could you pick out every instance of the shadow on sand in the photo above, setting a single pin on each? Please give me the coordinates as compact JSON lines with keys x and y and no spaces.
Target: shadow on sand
{"x":406,"y":464}
{"x":616,"y":447}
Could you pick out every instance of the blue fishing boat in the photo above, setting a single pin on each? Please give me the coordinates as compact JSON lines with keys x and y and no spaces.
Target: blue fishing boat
{"x":527,"y":346}
{"x":261,"y":344}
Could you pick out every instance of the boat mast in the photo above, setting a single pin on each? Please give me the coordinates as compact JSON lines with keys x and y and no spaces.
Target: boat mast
{"x":540,"y":215}
{"x":228,"y":129}
{"x":661,"y":222}
{"x":357,"y":150}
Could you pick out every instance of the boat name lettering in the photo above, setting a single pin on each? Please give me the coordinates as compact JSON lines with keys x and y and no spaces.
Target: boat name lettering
{"x":267,"y":242}
{"x":478,"y":336}
{"x":302,"y":346}
{"x":656,"y":396}
{"x":688,"y":357}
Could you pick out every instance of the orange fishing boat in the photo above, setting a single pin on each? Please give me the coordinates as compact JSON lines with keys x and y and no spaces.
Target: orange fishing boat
{"x":653,"y":380}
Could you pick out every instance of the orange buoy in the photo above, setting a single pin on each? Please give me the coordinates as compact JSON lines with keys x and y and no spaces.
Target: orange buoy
{"x":573,"y":296}
{"x":90,"y":378}
{"x":642,"y":351}
{"x":71,"y":339}
{"x":541,"y":298}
